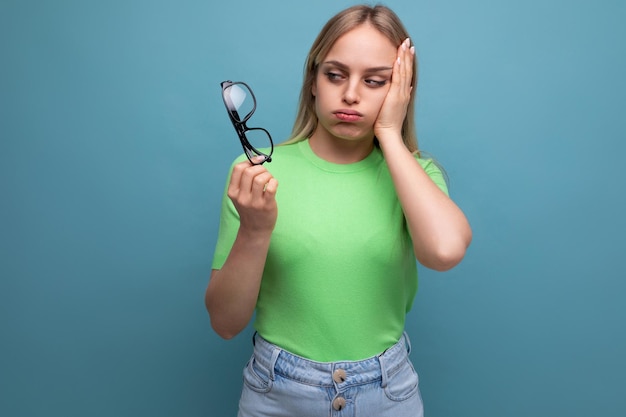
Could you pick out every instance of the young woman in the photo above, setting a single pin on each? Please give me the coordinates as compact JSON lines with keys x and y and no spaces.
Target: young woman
{"x":328,"y":259}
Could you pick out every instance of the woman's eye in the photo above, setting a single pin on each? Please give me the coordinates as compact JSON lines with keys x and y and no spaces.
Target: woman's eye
{"x":375,"y":83}
{"x":333,"y":76}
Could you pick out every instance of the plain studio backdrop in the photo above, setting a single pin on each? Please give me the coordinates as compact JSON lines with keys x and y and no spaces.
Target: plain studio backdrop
{"x":114,"y":151}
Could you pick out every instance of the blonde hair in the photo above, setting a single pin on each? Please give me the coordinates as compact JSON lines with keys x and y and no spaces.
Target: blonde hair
{"x":386,"y":22}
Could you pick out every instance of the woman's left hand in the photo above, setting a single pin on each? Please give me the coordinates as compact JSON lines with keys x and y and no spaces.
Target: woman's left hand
{"x":393,"y":111}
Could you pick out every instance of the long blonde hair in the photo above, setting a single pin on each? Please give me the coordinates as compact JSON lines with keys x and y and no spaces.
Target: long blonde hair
{"x":384,"y":20}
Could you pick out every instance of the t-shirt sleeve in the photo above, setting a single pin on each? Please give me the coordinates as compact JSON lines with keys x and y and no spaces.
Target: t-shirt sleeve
{"x":435,"y":173}
{"x":228,"y":226}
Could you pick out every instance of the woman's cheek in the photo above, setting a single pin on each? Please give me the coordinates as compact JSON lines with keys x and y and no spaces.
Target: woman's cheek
{"x":380,"y":100}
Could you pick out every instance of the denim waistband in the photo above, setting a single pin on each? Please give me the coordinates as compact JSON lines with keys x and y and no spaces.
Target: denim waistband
{"x":327,"y":374}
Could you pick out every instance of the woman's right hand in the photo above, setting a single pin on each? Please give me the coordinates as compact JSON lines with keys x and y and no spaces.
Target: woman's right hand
{"x":252,"y":190}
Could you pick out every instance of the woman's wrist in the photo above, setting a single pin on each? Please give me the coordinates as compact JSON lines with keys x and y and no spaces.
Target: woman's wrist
{"x":391,"y":143}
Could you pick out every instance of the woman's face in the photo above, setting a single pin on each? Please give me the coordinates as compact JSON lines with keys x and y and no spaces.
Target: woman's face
{"x":351,"y":84}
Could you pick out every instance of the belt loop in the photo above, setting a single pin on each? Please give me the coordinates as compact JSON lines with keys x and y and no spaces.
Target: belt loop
{"x":383,"y":371}
{"x":273,"y":360}
{"x":407,"y":342}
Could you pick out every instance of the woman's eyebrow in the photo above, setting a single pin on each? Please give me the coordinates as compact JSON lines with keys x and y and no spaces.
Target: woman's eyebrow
{"x":345,"y":67}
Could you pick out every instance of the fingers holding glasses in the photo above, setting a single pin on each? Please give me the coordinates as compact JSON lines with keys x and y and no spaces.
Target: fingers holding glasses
{"x":249,"y":181}
{"x":252,"y":190}
{"x":259,"y":185}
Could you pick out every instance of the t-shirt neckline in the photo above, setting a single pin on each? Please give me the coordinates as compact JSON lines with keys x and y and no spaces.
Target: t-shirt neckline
{"x":369,"y":161}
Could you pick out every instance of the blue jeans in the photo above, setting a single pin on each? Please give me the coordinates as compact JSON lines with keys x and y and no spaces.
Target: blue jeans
{"x":278,"y":383}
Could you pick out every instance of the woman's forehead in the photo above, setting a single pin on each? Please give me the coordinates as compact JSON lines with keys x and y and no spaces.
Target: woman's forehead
{"x":363,"y":45}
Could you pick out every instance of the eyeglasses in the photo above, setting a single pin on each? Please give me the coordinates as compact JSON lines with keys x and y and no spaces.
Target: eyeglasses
{"x":241,"y":104}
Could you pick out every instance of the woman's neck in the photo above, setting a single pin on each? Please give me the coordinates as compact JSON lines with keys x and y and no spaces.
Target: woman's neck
{"x":340,"y":151}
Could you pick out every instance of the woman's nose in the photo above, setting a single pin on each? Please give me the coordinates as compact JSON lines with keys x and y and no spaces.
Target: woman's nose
{"x":351,"y":93}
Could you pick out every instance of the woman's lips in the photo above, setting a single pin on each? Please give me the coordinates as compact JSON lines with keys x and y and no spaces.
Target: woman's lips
{"x":348,"y":115}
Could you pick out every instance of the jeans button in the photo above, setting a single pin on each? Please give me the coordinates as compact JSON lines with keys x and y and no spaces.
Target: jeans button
{"x":339,"y":403}
{"x":339,"y":376}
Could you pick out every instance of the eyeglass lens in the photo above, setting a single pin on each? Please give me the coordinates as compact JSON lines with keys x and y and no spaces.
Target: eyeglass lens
{"x":259,"y":139}
{"x":241,"y":99}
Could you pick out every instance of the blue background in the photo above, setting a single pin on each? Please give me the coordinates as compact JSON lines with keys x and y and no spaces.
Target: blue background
{"x":114,"y":152}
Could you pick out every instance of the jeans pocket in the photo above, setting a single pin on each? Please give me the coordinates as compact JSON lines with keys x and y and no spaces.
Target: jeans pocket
{"x":403,"y":383}
{"x":257,"y":377}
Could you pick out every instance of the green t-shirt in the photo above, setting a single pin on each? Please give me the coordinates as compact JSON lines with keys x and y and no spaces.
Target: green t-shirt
{"x":340,"y":274}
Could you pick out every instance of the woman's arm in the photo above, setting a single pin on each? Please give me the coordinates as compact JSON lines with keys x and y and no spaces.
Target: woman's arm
{"x":439,"y":229}
{"x":233,"y":290}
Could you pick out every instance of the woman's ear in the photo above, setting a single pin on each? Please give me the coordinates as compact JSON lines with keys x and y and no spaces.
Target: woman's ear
{"x":314,"y":88}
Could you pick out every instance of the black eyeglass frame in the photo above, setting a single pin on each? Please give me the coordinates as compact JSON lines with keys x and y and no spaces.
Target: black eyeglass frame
{"x":240,"y":124}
